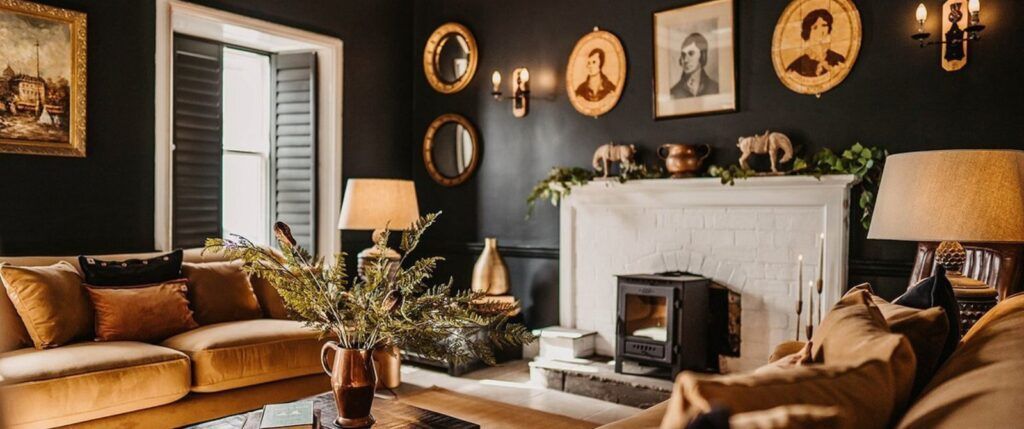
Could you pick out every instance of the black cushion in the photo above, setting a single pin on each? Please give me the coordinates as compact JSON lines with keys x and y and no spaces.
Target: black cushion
{"x":716,"y":418}
{"x":132,"y":271}
{"x":936,"y":291}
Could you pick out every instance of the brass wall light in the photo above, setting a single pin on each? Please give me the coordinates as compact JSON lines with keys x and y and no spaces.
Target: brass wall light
{"x":520,"y":90}
{"x":958,"y":28}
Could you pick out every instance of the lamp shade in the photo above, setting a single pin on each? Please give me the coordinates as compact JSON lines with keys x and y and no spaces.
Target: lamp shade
{"x":951,"y":195}
{"x":372,"y":204}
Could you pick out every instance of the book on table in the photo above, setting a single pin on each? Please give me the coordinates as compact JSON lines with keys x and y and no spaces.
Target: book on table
{"x":293,"y":415}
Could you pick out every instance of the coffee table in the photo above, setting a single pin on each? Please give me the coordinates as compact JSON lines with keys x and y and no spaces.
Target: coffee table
{"x":389,"y":413}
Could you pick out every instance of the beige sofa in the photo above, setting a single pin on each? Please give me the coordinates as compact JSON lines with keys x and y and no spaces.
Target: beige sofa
{"x":206,"y":373}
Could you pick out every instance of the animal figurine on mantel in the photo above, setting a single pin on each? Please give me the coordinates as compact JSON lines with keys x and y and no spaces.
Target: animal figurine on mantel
{"x":769,"y":143}
{"x":612,"y":152}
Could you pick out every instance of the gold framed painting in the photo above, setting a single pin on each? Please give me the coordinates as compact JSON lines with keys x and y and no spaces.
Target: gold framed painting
{"x":42,"y":79}
{"x":815,"y":45}
{"x":695,"y":60}
{"x":596,"y":73}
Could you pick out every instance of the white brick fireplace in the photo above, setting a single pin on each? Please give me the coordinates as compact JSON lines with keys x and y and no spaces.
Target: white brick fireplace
{"x":746,"y":237}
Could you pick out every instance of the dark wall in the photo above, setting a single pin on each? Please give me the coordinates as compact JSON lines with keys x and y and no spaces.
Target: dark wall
{"x":104,"y":202}
{"x":897,"y":97}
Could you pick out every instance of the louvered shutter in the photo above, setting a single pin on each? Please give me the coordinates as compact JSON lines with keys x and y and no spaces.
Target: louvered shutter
{"x":197,"y":209}
{"x":294,"y":148}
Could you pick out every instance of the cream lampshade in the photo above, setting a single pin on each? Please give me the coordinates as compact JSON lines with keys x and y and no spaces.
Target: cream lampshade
{"x":376,"y":205}
{"x":951,"y":196}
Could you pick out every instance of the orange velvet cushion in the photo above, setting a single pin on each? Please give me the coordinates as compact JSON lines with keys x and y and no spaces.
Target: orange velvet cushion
{"x":51,"y":302}
{"x":270,"y":301}
{"x":148,"y":313}
{"x":221,"y":292}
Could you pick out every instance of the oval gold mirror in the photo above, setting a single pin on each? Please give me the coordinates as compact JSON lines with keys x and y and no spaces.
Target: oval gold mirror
{"x":451,"y":150}
{"x":450,"y":57}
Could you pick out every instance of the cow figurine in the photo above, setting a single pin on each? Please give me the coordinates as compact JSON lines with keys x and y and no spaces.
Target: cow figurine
{"x":611,"y":152}
{"x":768,"y":143}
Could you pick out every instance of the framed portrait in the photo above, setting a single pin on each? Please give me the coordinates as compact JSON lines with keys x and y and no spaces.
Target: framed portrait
{"x":42,"y":79}
{"x":816,"y":43}
{"x":695,"y":60}
{"x":596,"y":73}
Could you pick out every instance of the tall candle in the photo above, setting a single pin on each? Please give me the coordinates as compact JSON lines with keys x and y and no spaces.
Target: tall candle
{"x":799,"y":292}
{"x":821,"y":274}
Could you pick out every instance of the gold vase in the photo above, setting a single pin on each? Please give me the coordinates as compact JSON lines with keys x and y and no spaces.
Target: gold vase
{"x":353,"y":380}
{"x":388,"y":364}
{"x":490,"y":275}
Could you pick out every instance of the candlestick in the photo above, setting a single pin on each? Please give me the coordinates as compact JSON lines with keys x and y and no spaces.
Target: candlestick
{"x":799,"y":292}
{"x":810,"y":314}
{"x":821,"y":275}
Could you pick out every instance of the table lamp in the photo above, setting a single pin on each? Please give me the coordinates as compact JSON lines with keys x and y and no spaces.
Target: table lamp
{"x":376,"y":204}
{"x":952,"y":196}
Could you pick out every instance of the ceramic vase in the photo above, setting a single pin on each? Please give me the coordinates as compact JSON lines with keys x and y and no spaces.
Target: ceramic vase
{"x":353,"y":380}
{"x":490,"y":275}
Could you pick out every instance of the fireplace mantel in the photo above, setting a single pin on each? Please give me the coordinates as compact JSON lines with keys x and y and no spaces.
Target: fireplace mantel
{"x":746,"y":236}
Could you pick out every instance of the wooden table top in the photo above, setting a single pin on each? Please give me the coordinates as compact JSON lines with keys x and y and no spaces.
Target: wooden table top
{"x":389,"y":413}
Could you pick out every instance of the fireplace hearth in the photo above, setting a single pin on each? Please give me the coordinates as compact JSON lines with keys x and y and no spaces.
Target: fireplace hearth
{"x":670,"y":322}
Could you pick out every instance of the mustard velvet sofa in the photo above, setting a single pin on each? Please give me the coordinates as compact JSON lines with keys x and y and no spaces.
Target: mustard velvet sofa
{"x":206,"y":373}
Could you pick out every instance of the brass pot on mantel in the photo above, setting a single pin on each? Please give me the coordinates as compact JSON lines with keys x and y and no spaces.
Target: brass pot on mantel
{"x":490,"y":275}
{"x":683,"y":160}
{"x":353,"y":381}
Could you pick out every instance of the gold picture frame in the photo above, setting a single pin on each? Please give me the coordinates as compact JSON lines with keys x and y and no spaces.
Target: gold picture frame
{"x":816,"y":44}
{"x":56,"y":101}
{"x":434,"y":49}
{"x":596,"y":73}
{"x":467,"y":166}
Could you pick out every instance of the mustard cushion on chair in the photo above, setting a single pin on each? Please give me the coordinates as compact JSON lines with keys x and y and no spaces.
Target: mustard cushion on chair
{"x":982,"y":382}
{"x":86,"y":381}
{"x":235,"y":354}
{"x":51,"y":302}
{"x":220,"y":292}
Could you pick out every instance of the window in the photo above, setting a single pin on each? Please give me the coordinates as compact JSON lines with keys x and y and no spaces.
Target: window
{"x":244,"y":134}
{"x":246,"y":178}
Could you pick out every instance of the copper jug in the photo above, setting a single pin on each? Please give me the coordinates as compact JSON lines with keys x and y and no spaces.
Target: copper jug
{"x":353,"y":380}
{"x":682,"y":160}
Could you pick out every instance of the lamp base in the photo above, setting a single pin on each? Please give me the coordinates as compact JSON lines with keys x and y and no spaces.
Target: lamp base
{"x":372,"y":254}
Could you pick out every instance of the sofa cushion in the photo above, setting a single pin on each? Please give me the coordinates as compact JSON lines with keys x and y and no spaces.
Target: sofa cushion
{"x":235,"y":354}
{"x":863,"y":392}
{"x":646,"y":419}
{"x":936,"y":291}
{"x":51,"y":302}
{"x":131,"y":271}
{"x":147,"y":313}
{"x":792,"y":417}
{"x":855,"y":331}
{"x":13,"y":335}
{"x":221,"y":292}
{"x":926,"y":329}
{"x":86,"y":381}
{"x":270,"y":301}
{"x":981,"y":384}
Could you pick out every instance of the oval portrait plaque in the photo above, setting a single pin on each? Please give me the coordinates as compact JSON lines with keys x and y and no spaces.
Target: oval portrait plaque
{"x":596,"y":73}
{"x":816,"y":43}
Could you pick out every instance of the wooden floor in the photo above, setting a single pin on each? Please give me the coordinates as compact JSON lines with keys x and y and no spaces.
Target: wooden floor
{"x":510,"y":383}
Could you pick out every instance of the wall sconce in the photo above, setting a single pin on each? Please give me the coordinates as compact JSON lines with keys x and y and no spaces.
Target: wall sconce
{"x":957,"y":30}
{"x":520,"y":90}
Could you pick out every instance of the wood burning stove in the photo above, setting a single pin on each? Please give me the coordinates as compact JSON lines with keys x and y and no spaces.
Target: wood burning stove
{"x":669,"y":322}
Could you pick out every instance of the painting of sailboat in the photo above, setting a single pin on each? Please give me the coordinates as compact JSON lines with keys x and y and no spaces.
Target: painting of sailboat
{"x":42,"y":79}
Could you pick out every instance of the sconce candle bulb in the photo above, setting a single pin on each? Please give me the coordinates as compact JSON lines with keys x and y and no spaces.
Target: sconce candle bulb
{"x":496,"y":85}
{"x":922,"y":14}
{"x":974,"y":6}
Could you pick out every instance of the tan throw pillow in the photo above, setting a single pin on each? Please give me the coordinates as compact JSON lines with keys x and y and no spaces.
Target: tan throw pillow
{"x":270,"y":300}
{"x":13,"y":335}
{"x":863,"y":392}
{"x":982,"y":382}
{"x":147,"y":313}
{"x":51,"y":302}
{"x":926,"y":329}
{"x":855,"y":331}
{"x":792,"y":417}
{"x":220,"y":292}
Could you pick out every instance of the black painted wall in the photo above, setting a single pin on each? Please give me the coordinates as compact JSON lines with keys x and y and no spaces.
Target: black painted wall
{"x":104,"y":202}
{"x":897,"y":96}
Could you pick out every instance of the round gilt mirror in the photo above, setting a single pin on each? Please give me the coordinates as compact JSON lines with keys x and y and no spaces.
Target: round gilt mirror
{"x":451,"y":149}
{"x":450,"y":58}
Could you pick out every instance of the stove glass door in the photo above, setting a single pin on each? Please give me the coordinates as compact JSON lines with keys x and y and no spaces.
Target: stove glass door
{"x":646,"y":316}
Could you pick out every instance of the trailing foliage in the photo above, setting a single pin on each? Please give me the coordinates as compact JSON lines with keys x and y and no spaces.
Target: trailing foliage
{"x":864,"y":163}
{"x":388,"y":306}
{"x":560,"y":181}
